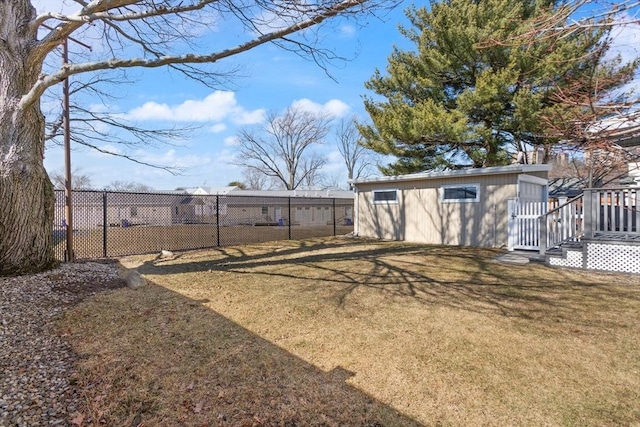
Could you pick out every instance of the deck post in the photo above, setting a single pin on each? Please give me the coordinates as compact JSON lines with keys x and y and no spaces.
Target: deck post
{"x":589,"y":212}
{"x":543,"y":234}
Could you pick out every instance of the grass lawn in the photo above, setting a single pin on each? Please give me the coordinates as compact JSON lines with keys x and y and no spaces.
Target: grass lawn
{"x":364,"y":333}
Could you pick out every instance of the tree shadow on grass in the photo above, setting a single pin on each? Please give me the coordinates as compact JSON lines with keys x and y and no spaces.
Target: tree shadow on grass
{"x":457,"y":277}
{"x":156,"y":357}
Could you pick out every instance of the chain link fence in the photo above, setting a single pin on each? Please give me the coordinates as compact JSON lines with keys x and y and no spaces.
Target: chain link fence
{"x":111,"y":224}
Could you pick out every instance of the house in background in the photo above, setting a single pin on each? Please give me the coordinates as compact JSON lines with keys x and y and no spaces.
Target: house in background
{"x":468,"y":207}
{"x":307,"y":207}
{"x":127,"y":209}
{"x":227,"y":206}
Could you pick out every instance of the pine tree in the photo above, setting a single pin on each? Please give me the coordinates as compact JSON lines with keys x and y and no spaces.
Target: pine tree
{"x":476,"y":87}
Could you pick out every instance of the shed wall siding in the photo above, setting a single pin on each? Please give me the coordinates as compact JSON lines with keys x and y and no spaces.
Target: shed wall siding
{"x":419,"y":216}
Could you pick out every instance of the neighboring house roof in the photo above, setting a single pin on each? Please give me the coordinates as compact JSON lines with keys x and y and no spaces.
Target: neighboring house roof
{"x":211,"y":190}
{"x":331,"y":194}
{"x":191,"y":201}
{"x":623,"y":130}
{"x":235,"y":191}
{"x":566,"y":187}
{"x":495,"y":170}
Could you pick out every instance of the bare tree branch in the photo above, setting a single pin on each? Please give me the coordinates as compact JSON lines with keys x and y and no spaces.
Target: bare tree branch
{"x":79,"y":180}
{"x":92,"y":128}
{"x":282,"y":148}
{"x":294,"y":18}
{"x":357,"y":158}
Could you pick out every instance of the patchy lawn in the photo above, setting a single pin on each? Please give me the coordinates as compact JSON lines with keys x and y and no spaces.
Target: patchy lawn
{"x":353,"y":332}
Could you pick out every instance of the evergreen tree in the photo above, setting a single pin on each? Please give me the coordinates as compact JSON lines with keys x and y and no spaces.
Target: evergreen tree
{"x":478,"y":84}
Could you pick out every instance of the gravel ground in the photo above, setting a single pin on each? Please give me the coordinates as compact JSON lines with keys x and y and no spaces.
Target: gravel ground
{"x":36,"y":364}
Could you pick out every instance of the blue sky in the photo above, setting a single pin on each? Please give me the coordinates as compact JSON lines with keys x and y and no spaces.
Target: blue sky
{"x":271,"y":80}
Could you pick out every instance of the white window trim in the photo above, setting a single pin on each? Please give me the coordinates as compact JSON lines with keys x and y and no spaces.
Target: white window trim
{"x":443,"y":187}
{"x":384,"y":202}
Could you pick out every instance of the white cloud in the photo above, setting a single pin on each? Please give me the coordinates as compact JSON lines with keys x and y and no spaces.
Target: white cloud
{"x":173,"y":159}
{"x":216,"y":107}
{"x":335,"y":157}
{"x":334,"y":107}
{"x":231,"y":141}
{"x":217,"y":128}
{"x":101,"y":108}
{"x":347,"y":30}
{"x":250,"y":117}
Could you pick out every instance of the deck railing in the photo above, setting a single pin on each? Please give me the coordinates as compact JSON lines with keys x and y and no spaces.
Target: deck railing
{"x":562,"y":224}
{"x":596,"y":212}
{"x":612,"y":211}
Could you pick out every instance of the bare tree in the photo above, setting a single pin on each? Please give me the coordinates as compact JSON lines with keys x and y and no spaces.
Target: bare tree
{"x":131,"y":33}
{"x":241,"y":185}
{"x":597,"y":167}
{"x":590,"y":115}
{"x":577,"y":14}
{"x":129,"y":186}
{"x":79,"y":180}
{"x":282,"y":148}
{"x":335,"y":181}
{"x":357,"y":158}
{"x":100,"y":129}
{"x":312,"y":164}
{"x":255,"y":179}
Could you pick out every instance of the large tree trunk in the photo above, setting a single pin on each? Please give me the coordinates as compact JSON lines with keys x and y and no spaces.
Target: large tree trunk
{"x":26,"y":193}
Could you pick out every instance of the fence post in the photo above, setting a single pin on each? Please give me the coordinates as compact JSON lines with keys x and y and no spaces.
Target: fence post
{"x":217,"y":220}
{"x":334,"y":216}
{"x":104,"y":224}
{"x":588,"y":212}
{"x":289,"y":207}
{"x":543,"y":234}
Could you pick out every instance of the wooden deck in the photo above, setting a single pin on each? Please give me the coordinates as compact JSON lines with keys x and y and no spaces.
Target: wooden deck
{"x":598,"y":230}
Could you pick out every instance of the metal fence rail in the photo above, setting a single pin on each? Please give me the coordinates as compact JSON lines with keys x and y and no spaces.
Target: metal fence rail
{"x":110,"y":224}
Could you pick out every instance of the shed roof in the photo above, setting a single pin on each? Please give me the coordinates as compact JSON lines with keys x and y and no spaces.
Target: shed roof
{"x":494,"y":170}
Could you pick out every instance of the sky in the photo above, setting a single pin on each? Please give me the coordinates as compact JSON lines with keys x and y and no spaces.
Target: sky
{"x":270,"y":81}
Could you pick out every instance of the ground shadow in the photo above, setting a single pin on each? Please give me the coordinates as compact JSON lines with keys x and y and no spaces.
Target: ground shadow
{"x":161,"y":358}
{"x":459,"y":277}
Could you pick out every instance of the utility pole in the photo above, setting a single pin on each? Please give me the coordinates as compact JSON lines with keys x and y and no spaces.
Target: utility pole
{"x":68,"y":202}
{"x":68,"y":195}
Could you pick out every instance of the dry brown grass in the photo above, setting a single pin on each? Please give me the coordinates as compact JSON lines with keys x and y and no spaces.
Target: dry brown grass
{"x":347,"y":332}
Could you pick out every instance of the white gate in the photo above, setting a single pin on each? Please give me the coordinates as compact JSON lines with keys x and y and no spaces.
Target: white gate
{"x":525,"y":211}
{"x":524,"y":223}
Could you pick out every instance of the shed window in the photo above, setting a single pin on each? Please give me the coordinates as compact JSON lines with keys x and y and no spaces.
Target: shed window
{"x":265,"y":210}
{"x":385,"y":196}
{"x":460,"y":193}
{"x":134,"y":211}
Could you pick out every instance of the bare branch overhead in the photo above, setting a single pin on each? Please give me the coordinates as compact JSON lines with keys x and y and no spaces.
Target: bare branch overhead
{"x":165,"y":32}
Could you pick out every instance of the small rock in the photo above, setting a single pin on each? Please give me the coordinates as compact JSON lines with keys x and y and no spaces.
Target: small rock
{"x":132,"y":278}
{"x":37,"y":363}
{"x":166,"y":254}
